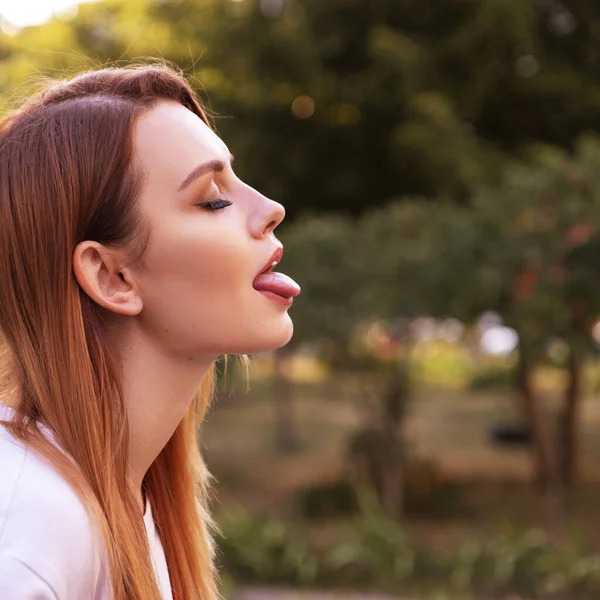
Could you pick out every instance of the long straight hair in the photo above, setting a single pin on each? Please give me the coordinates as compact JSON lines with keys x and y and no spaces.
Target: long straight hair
{"x":68,"y":174}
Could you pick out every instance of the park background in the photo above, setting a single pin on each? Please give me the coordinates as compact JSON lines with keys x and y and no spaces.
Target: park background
{"x":432,"y":431}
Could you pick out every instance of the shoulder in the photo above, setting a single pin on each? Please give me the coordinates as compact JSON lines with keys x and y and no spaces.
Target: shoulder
{"x":45,"y":530}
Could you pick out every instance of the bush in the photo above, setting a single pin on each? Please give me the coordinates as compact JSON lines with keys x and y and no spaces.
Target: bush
{"x":378,"y":553}
{"x":321,"y":501}
{"x":425,"y":490}
{"x":260,"y":550}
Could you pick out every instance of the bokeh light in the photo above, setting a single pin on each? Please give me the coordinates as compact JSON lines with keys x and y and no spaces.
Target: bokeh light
{"x":303,"y":107}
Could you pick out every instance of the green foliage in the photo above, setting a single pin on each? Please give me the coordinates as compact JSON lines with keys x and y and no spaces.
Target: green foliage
{"x":527,"y":249}
{"x":261,"y":550}
{"x":376,"y":549}
{"x":378,"y":552}
{"x":528,"y":564}
{"x":324,"y":253}
{"x":425,"y":492}
{"x":541,"y":237}
{"x":329,"y":500}
{"x":409,"y":98}
{"x":442,"y":365}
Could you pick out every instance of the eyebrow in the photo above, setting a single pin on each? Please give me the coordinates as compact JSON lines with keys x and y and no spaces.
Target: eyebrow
{"x":212,"y":166}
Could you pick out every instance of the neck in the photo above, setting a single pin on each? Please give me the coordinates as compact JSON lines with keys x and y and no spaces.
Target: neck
{"x":158,"y":391}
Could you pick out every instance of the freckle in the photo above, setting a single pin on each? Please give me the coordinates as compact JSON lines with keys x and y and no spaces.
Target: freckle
{"x":190,"y":358}
{"x":167,"y":329}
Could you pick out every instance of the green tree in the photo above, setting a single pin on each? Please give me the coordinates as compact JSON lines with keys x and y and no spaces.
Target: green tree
{"x":540,"y":241}
{"x":346,"y":104}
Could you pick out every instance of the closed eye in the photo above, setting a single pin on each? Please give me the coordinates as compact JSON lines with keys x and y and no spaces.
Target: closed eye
{"x":214,"y":205}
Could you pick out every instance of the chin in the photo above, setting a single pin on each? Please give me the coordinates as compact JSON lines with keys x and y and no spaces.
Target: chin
{"x":271,"y":339}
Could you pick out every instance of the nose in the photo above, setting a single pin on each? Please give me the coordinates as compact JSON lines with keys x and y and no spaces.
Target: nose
{"x":267,"y":217}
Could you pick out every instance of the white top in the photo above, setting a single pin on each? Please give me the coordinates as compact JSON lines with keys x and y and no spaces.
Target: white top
{"x":50,"y":548}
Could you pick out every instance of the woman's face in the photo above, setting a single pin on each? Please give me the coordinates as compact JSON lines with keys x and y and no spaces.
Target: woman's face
{"x":196,"y":274}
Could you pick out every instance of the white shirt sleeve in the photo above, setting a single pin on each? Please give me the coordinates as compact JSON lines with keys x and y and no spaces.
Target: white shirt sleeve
{"x":50,"y":547}
{"x":20,"y":582}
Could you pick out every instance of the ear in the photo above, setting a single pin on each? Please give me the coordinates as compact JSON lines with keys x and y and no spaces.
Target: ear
{"x":100,"y":274}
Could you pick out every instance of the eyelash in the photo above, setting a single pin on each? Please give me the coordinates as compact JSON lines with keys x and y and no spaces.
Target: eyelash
{"x":214,"y":205}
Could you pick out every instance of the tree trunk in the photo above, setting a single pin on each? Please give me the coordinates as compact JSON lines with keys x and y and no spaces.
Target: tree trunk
{"x":285,"y":421}
{"x":547,"y":474}
{"x":544,"y":463}
{"x":395,"y":405}
{"x":569,"y":420}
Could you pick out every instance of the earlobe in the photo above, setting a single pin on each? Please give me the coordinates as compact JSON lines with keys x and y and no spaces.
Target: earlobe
{"x":100,"y":275}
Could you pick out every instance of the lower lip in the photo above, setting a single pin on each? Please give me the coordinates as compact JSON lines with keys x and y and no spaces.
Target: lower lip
{"x":277,"y":298}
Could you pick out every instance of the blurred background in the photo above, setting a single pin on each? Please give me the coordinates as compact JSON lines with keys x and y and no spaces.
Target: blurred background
{"x":432,"y":431}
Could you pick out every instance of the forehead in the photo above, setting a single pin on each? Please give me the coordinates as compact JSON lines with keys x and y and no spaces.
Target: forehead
{"x":170,"y":140}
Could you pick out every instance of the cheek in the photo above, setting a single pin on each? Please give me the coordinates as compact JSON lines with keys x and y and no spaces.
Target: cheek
{"x":195,"y":252}
{"x":194,"y":279}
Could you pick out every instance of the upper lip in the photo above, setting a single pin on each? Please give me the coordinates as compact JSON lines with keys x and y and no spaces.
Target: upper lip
{"x":275,"y":258}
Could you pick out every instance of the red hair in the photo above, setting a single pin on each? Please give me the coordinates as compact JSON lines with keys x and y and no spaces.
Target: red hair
{"x":67,"y":174}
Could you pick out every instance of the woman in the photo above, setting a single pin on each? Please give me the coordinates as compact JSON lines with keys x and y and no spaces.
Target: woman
{"x":131,"y":258}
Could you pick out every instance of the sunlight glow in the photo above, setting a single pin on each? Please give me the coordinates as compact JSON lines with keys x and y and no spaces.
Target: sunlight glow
{"x":21,"y":13}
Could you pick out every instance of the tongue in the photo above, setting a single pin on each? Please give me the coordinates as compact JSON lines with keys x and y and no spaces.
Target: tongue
{"x":278,"y":283}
